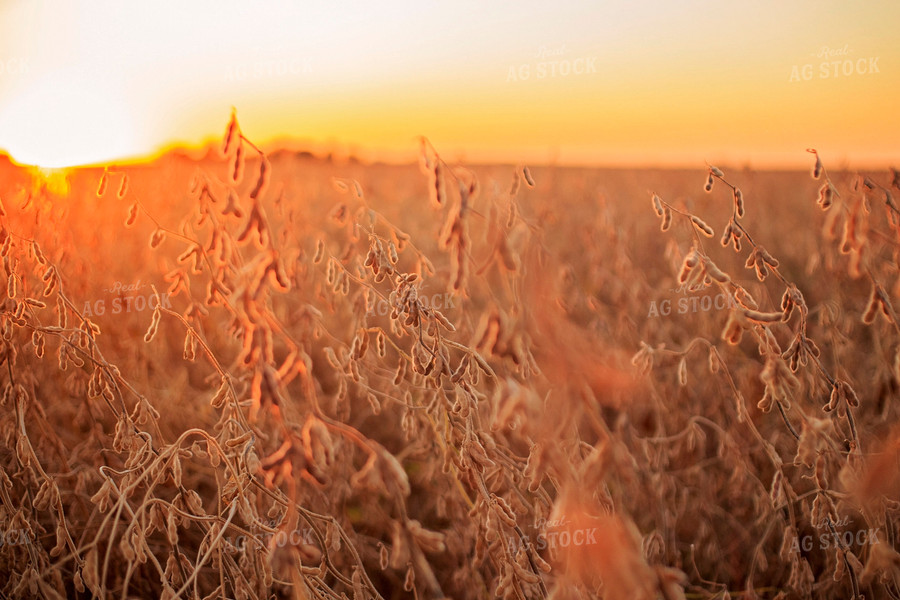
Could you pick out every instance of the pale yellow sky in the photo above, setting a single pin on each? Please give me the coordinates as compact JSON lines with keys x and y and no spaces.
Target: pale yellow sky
{"x":623,"y":82}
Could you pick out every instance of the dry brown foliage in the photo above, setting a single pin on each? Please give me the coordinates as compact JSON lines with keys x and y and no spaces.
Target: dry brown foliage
{"x":334,"y":387}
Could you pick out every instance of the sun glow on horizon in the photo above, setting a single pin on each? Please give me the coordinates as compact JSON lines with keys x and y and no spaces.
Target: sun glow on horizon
{"x":646,"y":83}
{"x":64,"y":120}
{"x":53,"y":181}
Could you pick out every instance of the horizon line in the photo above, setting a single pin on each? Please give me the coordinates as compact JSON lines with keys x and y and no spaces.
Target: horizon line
{"x":361,"y":156}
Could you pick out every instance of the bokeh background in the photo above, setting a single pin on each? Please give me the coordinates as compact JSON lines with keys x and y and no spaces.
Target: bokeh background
{"x":619,"y":83}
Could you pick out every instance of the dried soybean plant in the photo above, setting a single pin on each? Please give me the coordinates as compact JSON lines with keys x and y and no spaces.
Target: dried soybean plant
{"x":297,"y":440}
{"x":348,"y":389}
{"x":822,"y":456}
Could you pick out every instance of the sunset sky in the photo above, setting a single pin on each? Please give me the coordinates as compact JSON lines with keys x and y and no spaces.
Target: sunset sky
{"x":619,"y":82}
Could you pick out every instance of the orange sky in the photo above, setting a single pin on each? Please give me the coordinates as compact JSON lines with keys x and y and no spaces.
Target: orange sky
{"x":618,"y":82}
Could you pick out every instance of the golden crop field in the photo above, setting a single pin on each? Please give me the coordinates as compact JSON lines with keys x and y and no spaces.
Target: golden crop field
{"x":239,"y":375}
